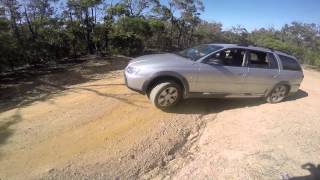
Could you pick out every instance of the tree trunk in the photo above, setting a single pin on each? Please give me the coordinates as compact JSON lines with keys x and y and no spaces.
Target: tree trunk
{"x":171,"y":30}
{"x":180,"y":28}
{"x":88,"y":32}
{"x":191,"y":36}
{"x":29,"y":25}
{"x":73,"y":43}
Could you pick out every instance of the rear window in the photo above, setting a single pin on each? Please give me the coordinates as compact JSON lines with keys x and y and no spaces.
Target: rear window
{"x":289,"y":63}
{"x":262,"y":60}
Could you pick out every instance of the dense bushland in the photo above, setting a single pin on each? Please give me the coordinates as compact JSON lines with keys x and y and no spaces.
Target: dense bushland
{"x":36,"y":32}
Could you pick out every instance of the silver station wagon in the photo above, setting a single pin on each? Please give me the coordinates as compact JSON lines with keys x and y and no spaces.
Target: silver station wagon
{"x":215,"y":70}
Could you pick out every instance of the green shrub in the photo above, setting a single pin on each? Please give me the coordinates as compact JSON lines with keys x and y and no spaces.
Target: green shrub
{"x":133,"y":25}
{"x":127,"y":44}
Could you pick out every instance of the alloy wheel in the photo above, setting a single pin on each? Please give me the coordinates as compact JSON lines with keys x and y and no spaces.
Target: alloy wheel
{"x":168,"y":96}
{"x":278,"y":94}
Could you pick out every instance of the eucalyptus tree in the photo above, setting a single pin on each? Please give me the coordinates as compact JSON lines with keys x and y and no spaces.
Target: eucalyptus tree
{"x":84,"y":12}
{"x":189,"y":19}
{"x":11,"y":9}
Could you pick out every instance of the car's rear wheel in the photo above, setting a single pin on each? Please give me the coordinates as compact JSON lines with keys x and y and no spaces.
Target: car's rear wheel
{"x":278,"y":94}
{"x":165,"y":95}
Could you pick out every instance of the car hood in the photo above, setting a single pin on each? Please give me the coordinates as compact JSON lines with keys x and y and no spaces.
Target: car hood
{"x":165,"y":59}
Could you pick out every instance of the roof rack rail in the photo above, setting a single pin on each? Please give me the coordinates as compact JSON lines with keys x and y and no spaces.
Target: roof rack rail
{"x":254,"y":45}
{"x":285,"y":52}
{"x":245,"y":45}
{"x":271,"y":49}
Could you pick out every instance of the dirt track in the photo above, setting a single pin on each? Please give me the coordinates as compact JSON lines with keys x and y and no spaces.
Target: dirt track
{"x":100,"y":129}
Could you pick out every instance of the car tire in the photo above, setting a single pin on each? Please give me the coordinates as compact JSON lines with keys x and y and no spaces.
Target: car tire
{"x":278,"y":94}
{"x":165,"y":95}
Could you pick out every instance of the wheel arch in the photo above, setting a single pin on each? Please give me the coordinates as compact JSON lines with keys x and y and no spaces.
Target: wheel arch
{"x":286,"y":83}
{"x":166,"y":75}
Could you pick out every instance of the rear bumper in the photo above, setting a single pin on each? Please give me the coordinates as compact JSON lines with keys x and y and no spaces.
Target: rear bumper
{"x":294,"y":88}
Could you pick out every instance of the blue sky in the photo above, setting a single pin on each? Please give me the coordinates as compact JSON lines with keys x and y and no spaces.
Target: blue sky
{"x":254,"y":14}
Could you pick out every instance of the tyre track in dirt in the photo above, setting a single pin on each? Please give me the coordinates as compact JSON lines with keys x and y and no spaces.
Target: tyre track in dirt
{"x":94,"y":130}
{"x":265,"y":141}
{"x":102,"y":130}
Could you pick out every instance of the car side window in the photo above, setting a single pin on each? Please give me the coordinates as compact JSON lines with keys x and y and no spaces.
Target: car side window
{"x":289,"y":63}
{"x":257,"y":59}
{"x":227,"y":57}
{"x":273,"y":64}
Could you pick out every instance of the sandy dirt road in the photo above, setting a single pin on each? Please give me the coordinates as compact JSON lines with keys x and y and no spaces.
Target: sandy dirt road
{"x":102,"y":130}
{"x":263,"y":141}
{"x":97,"y":130}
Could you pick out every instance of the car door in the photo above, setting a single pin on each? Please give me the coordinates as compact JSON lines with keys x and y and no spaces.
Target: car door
{"x":263,"y":72}
{"x":223,"y":72}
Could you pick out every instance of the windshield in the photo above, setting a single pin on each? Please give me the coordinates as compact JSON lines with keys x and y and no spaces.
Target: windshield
{"x":198,"y":52}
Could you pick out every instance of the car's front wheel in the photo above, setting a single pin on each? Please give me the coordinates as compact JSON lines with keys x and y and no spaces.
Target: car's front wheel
{"x":278,"y":94}
{"x":165,"y":95}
